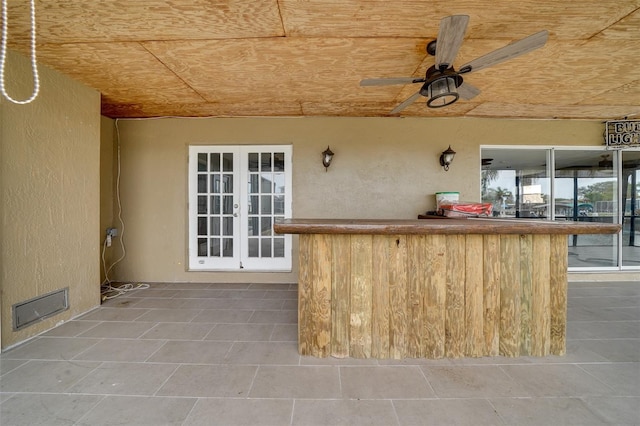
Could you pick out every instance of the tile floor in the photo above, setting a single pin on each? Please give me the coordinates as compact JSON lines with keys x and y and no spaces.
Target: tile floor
{"x":214,"y":354}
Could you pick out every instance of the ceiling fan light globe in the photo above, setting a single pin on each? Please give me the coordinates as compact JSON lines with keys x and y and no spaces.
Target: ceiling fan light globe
{"x":442,"y":92}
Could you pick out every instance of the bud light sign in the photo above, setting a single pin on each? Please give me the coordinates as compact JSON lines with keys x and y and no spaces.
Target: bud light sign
{"x":622,"y":133}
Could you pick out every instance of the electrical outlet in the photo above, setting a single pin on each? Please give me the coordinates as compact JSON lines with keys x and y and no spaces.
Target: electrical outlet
{"x":112,"y":232}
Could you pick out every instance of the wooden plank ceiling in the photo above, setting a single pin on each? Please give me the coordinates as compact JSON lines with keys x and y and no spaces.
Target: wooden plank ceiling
{"x":306,"y":57}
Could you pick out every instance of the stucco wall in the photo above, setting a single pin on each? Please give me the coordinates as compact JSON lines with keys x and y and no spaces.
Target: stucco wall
{"x":108,"y":200}
{"x":383,"y":168}
{"x":49,"y":193}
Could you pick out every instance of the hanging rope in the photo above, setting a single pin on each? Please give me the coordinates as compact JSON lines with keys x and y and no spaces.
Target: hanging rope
{"x":3,"y":53}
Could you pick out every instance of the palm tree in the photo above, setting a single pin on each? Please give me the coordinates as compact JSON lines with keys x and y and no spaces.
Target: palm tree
{"x":488,"y":175}
{"x":502,"y":196}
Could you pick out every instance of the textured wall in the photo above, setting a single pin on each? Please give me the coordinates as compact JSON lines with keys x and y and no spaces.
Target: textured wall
{"x":108,"y":201}
{"x":383,"y":168}
{"x":49,"y":192}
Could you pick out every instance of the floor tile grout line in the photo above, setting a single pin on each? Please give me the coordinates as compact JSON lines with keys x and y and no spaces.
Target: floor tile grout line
{"x":596,"y":378}
{"x":193,"y":407}
{"x":424,"y":375}
{"x":253,"y":379}
{"x":78,"y":380}
{"x":96,"y":404}
{"x":176,"y":368}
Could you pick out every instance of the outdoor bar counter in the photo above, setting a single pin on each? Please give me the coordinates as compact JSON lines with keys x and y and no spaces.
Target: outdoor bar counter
{"x":433,"y":288}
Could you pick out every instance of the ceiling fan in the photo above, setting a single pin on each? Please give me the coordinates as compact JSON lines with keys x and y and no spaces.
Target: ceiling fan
{"x":443,"y":84}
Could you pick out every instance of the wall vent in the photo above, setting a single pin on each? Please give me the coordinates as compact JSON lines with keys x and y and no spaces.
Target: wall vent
{"x":41,"y":307}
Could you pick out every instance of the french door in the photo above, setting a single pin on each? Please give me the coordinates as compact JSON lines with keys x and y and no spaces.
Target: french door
{"x":236,"y":193}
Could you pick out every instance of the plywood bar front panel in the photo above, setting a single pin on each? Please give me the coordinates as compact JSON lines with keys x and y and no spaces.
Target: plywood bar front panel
{"x":473,"y":294}
{"x":361,"y":309}
{"x":435,"y":296}
{"x":491,"y":294}
{"x":340,"y":295}
{"x":558,"y":294}
{"x":431,"y":296}
{"x":305,"y":276}
{"x":400,"y":320}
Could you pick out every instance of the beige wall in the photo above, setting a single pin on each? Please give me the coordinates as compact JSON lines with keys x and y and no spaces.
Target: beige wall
{"x":383,"y":168}
{"x":108,"y":200}
{"x":49,"y":193}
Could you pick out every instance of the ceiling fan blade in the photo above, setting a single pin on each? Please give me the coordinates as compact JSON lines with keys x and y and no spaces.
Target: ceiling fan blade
{"x":450,"y":36}
{"x":389,"y":81}
{"x":406,"y":103}
{"x":507,"y":52}
{"x":468,"y":91}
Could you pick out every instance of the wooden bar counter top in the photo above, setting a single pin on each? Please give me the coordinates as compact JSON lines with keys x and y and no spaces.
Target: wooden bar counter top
{"x":446,"y":226}
{"x":433,"y":288}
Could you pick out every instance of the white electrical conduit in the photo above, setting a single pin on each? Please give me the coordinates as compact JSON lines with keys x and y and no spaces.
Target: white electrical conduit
{"x":3,"y":53}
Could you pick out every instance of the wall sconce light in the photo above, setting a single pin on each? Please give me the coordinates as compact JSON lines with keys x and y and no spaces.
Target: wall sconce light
{"x":446,"y":158}
{"x":327,"y":157}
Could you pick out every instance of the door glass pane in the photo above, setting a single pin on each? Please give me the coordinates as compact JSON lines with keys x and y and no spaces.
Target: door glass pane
{"x":202,"y":162}
{"x":202,"y":225}
{"x":278,"y":247}
{"x":202,"y":246}
{"x":228,"y":183}
{"x":265,"y":162}
{"x":254,"y":188}
{"x":278,"y":183}
{"x":265,"y":249}
{"x":202,"y":184}
{"x":215,"y":162}
{"x":227,"y":227}
{"x":267,"y":183}
{"x":253,"y":204}
{"x":266,"y":226}
{"x":215,"y":247}
{"x":227,"y":247}
{"x":227,"y":162}
{"x":586,"y":191}
{"x":227,"y":207}
{"x":278,"y":161}
{"x":516,"y":182}
{"x":254,"y":227}
{"x":278,"y":204}
{"x":215,"y":183}
{"x":253,"y":247}
{"x":215,"y":226}
{"x":215,"y":204}
{"x":253,"y":161}
{"x":631,"y":211}
{"x":202,"y":204}
{"x":265,"y":204}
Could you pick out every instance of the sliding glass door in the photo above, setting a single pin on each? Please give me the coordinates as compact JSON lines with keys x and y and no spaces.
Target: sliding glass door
{"x":570,"y":184}
{"x":586,"y":190}
{"x":631,"y":208}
